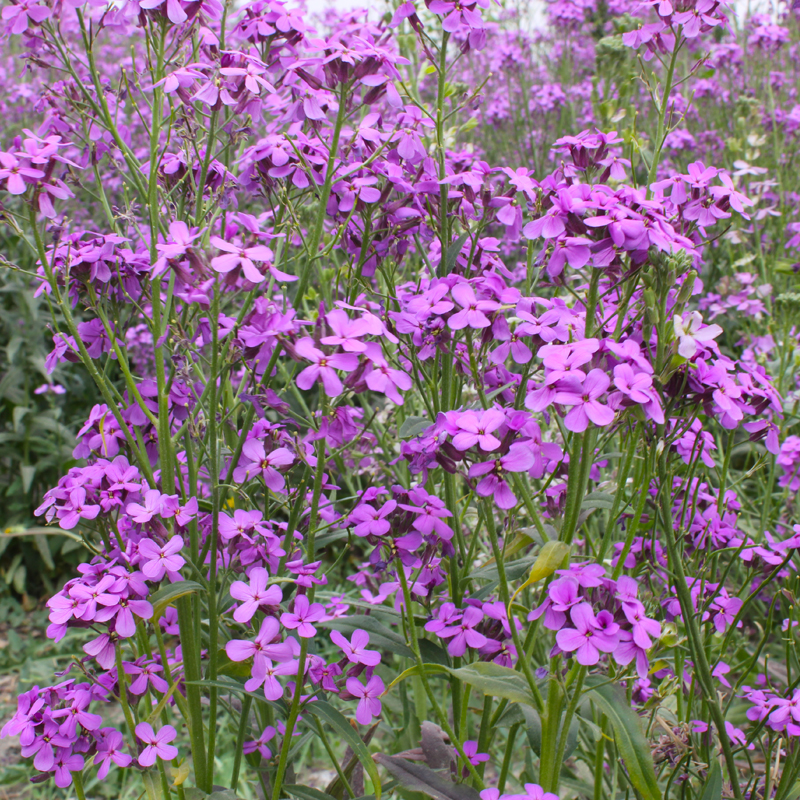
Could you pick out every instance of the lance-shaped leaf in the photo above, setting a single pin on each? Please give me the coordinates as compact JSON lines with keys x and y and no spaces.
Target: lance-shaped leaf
{"x":327,"y":713}
{"x":713,"y":788}
{"x":629,"y":736}
{"x":496,"y":681}
{"x":419,"y":778}
{"x":167,"y":595}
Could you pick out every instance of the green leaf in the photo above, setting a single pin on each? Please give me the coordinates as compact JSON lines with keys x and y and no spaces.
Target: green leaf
{"x":713,"y":788}
{"x":429,"y":669}
{"x":167,"y":595}
{"x":232,"y":685}
{"x":452,"y":253}
{"x":628,"y":735}
{"x":418,"y":778}
{"x":533,"y":730}
{"x":27,"y":473}
{"x":329,"y":537}
{"x":597,"y":500}
{"x":305,"y":792}
{"x":44,"y":550}
{"x":496,"y":681}
{"x":326,"y":712}
{"x":514,"y":571}
{"x":413,"y":426}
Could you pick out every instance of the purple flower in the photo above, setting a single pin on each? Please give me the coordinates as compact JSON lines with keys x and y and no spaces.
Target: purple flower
{"x":66,"y":763}
{"x":463,"y":633}
{"x":157,"y":744}
{"x":583,"y":399}
{"x":586,"y":637}
{"x":302,"y":615}
{"x":144,"y":513}
{"x":355,"y":650}
{"x":245,"y":257}
{"x":146,"y":674}
{"x":642,"y":628}
{"x":471,"y":752}
{"x":323,"y":367}
{"x":108,"y":750}
{"x":369,"y":705}
{"x":255,"y":594}
{"x":158,"y":561}
{"x":518,"y":459}
{"x":76,"y":508}
{"x":472,"y":310}
{"x":264,"y":672}
{"x":256,"y":460}
{"x":370,"y":521}
{"x":260,"y":744}
{"x":264,"y":645}
{"x":347,"y":332}
{"x":42,"y":748}
{"x":477,"y":430}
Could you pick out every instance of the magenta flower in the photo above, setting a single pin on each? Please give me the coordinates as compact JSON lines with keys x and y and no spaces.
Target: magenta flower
{"x":157,"y":744}
{"x":66,"y":763}
{"x":464,"y":633}
{"x":369,"y":705}
{"x":108,"y":750}
{"x":123,"y":610}
{"x":572,"y":250}
{"x":245,"y":257}
{"x":355,"y":650}
{"x":264,"y":645}
{"x":370,"y":521}
{"x":642,"y":628}
{"x":12,"y":170}
{"x":20,"y":15}
{"x":586,"y":637}
{"x":471,"y":752}
{"x":323,"y":367}
{"x":145,"y":675}
{"x":346,"y":332}
{"x":477,"y":430}
{"x":302,"y":615}
{"x":265,"y":672}
{"x":583,"y":399}
{"x":156,"y":561}
{"x":385,"y":379}
{"x":144,"y":513}
{"x":472,"y":310}
{"x":518,"y":459}
{"x":76,"y":508}
{"x":260,"y":744}
{"x":175,"y":12}
{"x":255,"y":459}
{"x":254,"y":594}
{"x":42,"y":748}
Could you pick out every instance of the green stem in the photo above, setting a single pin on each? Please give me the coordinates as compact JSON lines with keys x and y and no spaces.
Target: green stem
{"x":694,"y":638}
{"x":243,"y":726}
{"x":316,"y":233}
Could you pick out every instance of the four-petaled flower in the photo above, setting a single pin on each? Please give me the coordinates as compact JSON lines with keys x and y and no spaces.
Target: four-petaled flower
{"x":355,"y":650}
{"x":369,"y":705}
{"x":157,"y":745}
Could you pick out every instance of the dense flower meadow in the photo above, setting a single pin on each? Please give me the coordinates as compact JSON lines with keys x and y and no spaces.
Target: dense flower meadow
{"x":446,"y":370}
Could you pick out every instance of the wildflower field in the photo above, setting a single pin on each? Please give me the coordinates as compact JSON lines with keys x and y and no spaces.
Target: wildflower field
{"x":400,"y":402}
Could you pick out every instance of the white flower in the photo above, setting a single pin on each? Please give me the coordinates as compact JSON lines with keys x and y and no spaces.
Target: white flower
{"x":689,"y":335}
